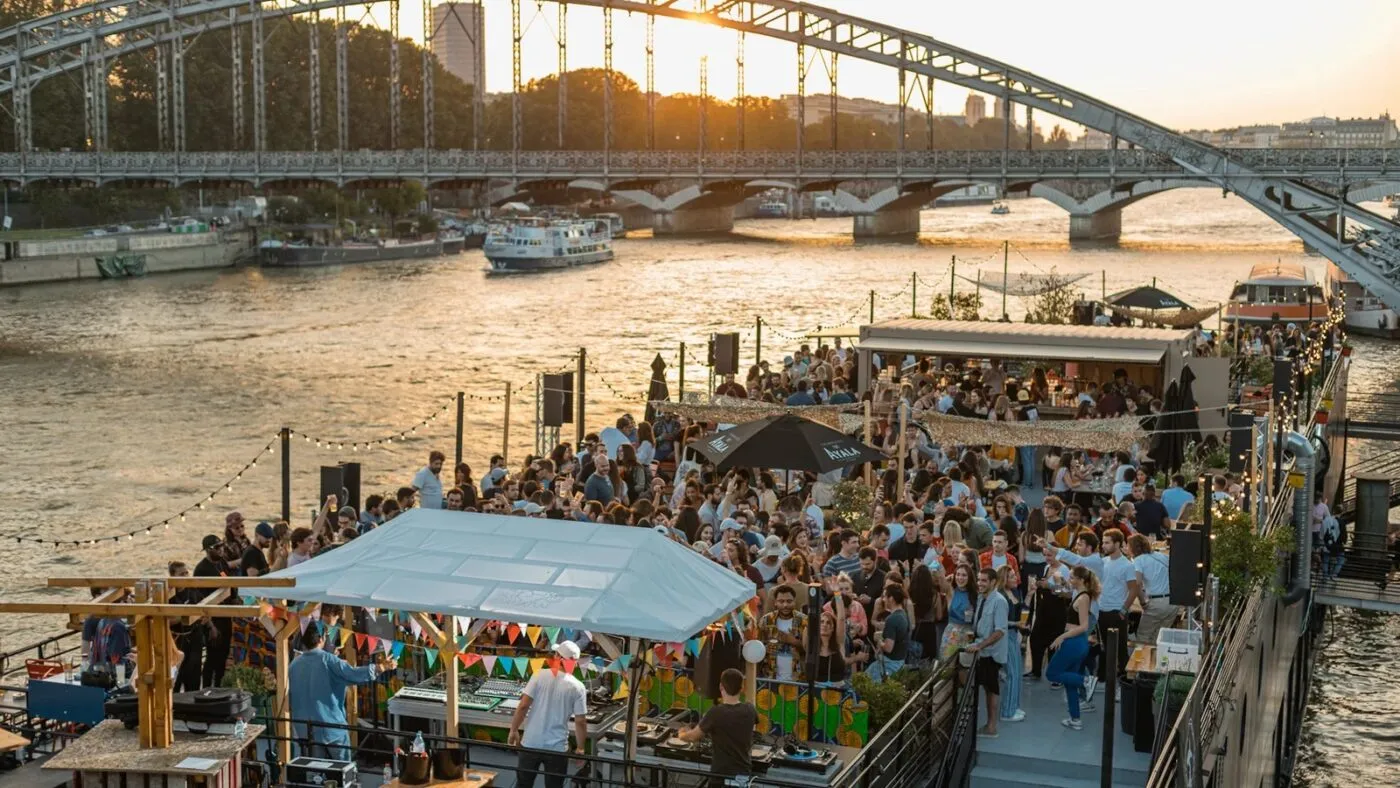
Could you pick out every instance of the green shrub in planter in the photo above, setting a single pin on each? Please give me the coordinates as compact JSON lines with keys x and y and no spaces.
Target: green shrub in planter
{"x":884,"y":698}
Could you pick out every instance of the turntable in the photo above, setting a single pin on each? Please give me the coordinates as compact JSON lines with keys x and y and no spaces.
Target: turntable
{"x":799,"y":756}
{"x":648,"y":733}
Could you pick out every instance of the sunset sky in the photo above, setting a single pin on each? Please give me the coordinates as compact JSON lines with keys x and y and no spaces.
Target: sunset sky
{"x":1187,"y":64}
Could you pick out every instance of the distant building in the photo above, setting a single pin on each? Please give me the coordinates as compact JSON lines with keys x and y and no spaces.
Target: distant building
{"x":975,"y":110}
{"x":1324,"y":132}
{"x":999,"y":108}
{"x":458,"y":30}
{"x":818,"y":108}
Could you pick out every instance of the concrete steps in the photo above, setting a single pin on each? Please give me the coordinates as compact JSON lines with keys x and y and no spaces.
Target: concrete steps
{"x":1012,"y":771}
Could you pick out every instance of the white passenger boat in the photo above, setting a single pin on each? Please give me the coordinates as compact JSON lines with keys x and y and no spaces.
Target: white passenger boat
{"x":532,"y":244}
{"x":616,"y":228}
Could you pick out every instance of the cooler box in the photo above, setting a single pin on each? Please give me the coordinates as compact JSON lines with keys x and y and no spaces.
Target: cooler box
{"x":318,"y":771}
{"x":1178,"y":650}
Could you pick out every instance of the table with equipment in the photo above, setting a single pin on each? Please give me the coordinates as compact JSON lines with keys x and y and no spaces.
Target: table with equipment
{"x":658,"y":746}
{"x":110,"y":756}
{"x":487,"y":703}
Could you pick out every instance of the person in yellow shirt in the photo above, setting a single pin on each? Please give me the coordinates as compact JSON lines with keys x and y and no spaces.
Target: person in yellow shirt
{"x":1074,"y":524}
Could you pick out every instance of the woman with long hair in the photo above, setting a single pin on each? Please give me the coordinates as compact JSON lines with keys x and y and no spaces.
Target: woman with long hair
{"x":1072,"y":646}
{"x":632,"y":471}
{"x":736,"y":554}
{"x":1015,"y":660}
{"x":1002,"y":410}
{"x":281,"y":547}
{"x":646,"y":444}
{"x":962,"y":606}
{"x":688,"y":521}
{"x":799,"y":541}
{"x":927,"y":598}
{"x":831,"y":654}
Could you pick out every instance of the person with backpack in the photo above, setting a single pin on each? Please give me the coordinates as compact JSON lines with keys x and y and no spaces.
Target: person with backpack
{"x":1333,"y":547}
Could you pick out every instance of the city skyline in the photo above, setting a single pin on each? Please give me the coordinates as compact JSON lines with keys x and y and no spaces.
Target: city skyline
{"x":1203,"y":84}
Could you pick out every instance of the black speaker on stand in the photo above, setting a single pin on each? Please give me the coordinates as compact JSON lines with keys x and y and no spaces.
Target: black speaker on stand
{"x":724,"y":354}
{"x":814,"y":645}
{"x":1183,"y":572}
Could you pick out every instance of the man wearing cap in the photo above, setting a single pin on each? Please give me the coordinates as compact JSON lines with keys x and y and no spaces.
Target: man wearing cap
{"x":254,"y":559}
{"x":316,"y":682}
{"x":728,"y":529}
{"x":770,"y":558}
{"x":221,"y":640}
{"x":549,"y":699}
{"x":427,"y":483}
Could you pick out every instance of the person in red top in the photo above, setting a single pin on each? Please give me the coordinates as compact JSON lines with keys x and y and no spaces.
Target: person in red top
{"x":997,"y":557}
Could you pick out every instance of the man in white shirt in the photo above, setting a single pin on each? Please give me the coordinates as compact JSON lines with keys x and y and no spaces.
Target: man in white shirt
{"x":1120,"y":587}
{"x":427,"y":483}
{"x":550,"y":698}
{"x":1154,"y":588}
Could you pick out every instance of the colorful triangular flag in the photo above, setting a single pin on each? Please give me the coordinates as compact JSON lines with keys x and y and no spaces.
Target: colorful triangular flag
{"x":512,"y":632}
{"x":372,"y":613}
{"x":533,"y":633}
{"x":462,"y":623}
{"x":553,"y":634}
{"x":622,"y":690}
{"x":536,"y":664}
{"x":344,"y":636}
{"x":470,"y":659}
{"x":398,"y":649}
{"x":490,"y":663}
{"x":569,"y":665}
{"x":373,"y":643}
{"x":361,"y":639}
{"x":431,"y":654}
{"x":415,"y":627}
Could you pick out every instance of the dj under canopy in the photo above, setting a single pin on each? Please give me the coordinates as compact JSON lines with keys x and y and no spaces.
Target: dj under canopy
{"x":602,"y":578}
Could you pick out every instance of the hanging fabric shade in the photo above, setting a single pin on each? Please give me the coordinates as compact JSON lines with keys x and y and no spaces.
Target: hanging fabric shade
{"x":1019,"y":284}
{"x":1185,"y":318}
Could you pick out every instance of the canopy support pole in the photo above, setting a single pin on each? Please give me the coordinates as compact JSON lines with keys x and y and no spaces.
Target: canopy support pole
{"x":634,"y":676}
{"x":283,"y":713}
{"x":899,"y":461}
{"x":447,"y":652}
{"x":869,"y":468}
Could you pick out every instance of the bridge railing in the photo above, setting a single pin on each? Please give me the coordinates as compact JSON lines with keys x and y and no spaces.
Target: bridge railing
{"x":661,"y":164}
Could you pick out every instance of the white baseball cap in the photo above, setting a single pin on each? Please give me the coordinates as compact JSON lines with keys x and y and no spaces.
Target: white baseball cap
{"x":567,"y":649}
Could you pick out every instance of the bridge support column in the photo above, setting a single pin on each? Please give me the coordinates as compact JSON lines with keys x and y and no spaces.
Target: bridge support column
{"x":886,"y":224}
{"x":1105,"y":225}
{"x":693,"y":221}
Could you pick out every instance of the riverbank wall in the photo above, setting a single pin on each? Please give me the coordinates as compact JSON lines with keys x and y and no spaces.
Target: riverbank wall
{"x":72,"y":259}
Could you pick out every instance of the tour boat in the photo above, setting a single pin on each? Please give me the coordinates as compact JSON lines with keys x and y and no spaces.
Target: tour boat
{"x":1277,"y":292}
{"x":773,"y":210}
{"x":531,"y":244}
{"x":616,"y":228}
{"x":1000,"y":209}
{"x":316,"y":247}
{"x":1365,"y":314}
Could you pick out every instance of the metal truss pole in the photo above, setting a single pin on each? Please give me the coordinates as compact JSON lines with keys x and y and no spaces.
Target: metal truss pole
{"x":651,"y":79}
{"x":740,"y":98}
{"x":23,"y":117}
{"x":704,"y":107}
{"x":1030,"y":128}
{"x":162,"y":98}
{"x":395,"y":96}
{"x":259,"y":81}
{"x":563,"y":92}
{"x":236,"y":75}
{"x":928,"y":105}
{"x":430,"y":79}
{"x":479,"y":86}
{"x":314,"y":60}
{"x":177,"y":90}
{"x":607,"y":91}
{"x":903,"y":122}
{"x":89,"y":109}
{"x":342,"y":81}
{"x":801,"y":88}
{"x":515,"y":85}
{"x":833,"y":100}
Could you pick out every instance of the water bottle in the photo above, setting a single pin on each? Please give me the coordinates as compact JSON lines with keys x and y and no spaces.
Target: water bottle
{"x":388,"y":775}
{"x":418,"y":746}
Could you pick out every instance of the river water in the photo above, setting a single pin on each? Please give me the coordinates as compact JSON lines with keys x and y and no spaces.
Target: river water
{"x":125,"y":402}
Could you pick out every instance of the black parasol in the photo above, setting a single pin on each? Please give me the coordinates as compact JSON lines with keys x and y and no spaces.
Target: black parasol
{"x":788,"y":442}
{"x":657,"y":391}
{"x":1146,"y":297}
{"x":1178,"y":426}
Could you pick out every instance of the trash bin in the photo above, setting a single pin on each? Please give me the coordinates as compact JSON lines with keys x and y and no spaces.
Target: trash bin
{"x":1136,"y":718}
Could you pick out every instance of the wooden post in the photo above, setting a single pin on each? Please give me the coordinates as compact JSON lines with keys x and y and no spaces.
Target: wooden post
{"x":899,"y":464}
{"x":162,"y":704}
{"x":868,"y":468}
{"x":447,"y":652}
{"x":751,"y":682}
{"x":505,"y":429}
{"x":352,"y":693}
{"x":680,"y":370}
{"x":142,"y":636}
{"x":283,"y":710}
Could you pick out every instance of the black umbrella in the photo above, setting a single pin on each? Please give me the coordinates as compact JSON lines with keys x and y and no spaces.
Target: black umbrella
{"x":1188,"y":421}
{"x":1146,"y":297}
{"x":657,"y":391}
{"x":1166,"y":451}
{"x":786,"y":441}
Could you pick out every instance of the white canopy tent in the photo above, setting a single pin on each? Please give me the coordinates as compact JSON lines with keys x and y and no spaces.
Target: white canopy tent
{"x":617,"y":580}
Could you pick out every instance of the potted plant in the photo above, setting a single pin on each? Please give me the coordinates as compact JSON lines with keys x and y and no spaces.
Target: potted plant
{"x":255,"y":681}
{"x":883,"y":698}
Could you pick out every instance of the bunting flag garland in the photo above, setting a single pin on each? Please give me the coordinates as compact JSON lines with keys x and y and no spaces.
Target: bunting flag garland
{"x":569,"y":665}
{"x":553,"y":634}
{"x":431,"y":655}
{"x":490,"y":662}
{"x":622,"y":690}
{"x":415,"y":627}
{"x":533,"y":633}
{"x":512,"y":632}
{"x":462,"y":623}
{"x":397,"y":649}
{"x":345,"y":636}
{"x":360,"y":639}
{"x":536,"y":664}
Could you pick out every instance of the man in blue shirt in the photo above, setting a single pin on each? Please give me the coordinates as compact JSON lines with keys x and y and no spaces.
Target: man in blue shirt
{"x":801,"y":396}
{"x":1176,"y":496}
{"x":317,"y":683}
{"x":427,"y":483}
{"x":599,"y":486}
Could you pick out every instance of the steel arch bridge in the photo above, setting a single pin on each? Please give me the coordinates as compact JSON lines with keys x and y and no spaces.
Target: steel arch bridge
{"x":1364,"y":244}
